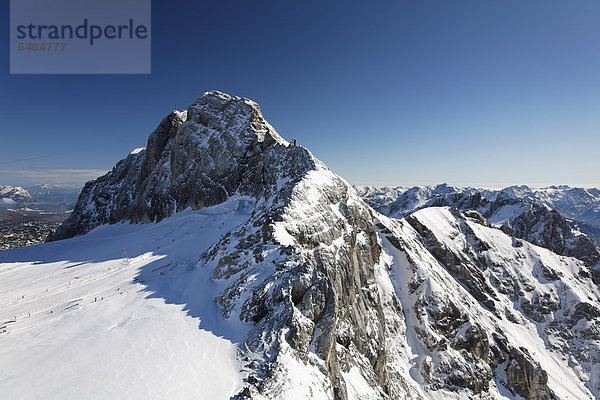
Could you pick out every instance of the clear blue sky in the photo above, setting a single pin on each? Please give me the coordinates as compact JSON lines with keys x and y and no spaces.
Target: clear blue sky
{"x":388,"y":92}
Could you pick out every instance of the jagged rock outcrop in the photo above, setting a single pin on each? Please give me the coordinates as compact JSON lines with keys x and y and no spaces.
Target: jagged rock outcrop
{"x":549,"y":229}
{"x":321,"y":287}
{"x":343,"y":302}
{"x":525,"y":377}
{"x":517,"y":288}
{"x":220,"y":146}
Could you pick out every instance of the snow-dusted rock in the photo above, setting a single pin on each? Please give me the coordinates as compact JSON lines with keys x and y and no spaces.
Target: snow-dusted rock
{"x":511,"y":305}
{"x":220,"y":146}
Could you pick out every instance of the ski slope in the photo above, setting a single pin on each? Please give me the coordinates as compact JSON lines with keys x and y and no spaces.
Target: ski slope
{"x":78,"y":320}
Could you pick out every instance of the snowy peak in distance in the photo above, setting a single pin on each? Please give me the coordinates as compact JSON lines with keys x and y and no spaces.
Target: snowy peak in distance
{"x":14,"y":196}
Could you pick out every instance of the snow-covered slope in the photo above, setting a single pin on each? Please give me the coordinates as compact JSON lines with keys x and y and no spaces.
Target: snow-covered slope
{"x":268,"y":277}
{"x":77,"y":320}
{"x":490,"y":312}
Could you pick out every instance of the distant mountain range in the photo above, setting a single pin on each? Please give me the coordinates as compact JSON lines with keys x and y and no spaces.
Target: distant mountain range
{"x":29,"y":214}
{"x":579,"y":206}
{"x":38,"y":197}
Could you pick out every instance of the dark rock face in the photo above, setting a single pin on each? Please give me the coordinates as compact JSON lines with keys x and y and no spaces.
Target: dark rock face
{"x":549,"y":229}
{"x":526,"y":378}
{"x":105,"y":200}
{"x":158,"y":140}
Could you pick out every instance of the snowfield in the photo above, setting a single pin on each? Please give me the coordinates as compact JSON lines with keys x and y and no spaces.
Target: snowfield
{"x":80,"y":321}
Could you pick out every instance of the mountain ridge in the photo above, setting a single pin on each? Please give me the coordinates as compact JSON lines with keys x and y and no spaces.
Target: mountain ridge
{"x":516,"y":209}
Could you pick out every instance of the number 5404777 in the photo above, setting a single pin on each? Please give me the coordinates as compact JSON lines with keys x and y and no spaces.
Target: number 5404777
{"x":44,"y":46}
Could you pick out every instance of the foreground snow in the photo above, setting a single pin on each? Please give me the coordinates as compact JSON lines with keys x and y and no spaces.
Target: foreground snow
{"x":80,"y":321}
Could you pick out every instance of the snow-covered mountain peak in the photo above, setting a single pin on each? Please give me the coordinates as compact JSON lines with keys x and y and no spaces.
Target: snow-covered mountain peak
{"x":13,"y":191}
{"x":443,"y":188}
{"x":225,"y":113}
{"x":220,"y":146}
{"x":11,"y":196}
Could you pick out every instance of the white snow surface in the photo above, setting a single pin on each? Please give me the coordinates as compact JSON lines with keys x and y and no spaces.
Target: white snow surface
{"x":137,"y":150}
{"x":79,"y":320}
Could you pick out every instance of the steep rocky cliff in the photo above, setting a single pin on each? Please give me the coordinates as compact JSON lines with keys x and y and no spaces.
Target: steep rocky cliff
{"x":220,"y":146}
{"x":342,"y":302}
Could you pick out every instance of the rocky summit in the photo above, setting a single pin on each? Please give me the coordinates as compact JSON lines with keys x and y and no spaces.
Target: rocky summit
{"x":298,"y":287}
